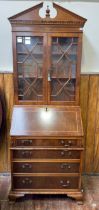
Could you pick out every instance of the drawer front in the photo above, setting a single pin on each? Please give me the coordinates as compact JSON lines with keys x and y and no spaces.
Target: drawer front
{"x":46,"y":154}
{"x":45,"y":167}
{"x":46,"y":142}
{"x":45,"y":182}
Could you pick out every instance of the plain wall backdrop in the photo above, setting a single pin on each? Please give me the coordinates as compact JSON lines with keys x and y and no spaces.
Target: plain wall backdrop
{"x":90,"y":52}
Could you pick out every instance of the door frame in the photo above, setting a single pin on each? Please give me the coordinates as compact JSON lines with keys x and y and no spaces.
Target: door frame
{"x":79,"y":47}
{"x":44,"y":73}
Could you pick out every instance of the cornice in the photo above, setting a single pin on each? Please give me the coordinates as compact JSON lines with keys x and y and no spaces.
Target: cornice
{"x":68,"y":23}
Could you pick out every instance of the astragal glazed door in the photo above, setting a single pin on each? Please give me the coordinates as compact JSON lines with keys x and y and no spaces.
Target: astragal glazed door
{"x":63,"y":68}
{"x":30,"y":68}
{"x":47,"y":68}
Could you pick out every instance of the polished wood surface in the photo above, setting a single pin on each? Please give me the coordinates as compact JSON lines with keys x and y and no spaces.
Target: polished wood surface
{"x":45,"y":182}
{"x":56,"y":202}
{"x":39,"y":162}
{"x":27,"y":142}
{"x":32,"y":126}
{"x":33,"y":121}
{"x":42,"y":167}
{"x":46,"y":154}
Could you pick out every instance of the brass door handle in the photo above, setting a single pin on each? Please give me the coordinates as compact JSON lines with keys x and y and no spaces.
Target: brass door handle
{"x":49,"y":77}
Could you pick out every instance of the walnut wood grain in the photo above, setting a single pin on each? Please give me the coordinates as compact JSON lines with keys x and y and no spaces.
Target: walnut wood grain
{"x":46,"y":154}
{"x":44,"y":167}
{"x":30,"y":121}
{"x":43,"y":182}
{"x":32,"y":142}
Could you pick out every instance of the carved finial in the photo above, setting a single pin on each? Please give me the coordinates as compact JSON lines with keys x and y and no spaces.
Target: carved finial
{"x":47,"y":11}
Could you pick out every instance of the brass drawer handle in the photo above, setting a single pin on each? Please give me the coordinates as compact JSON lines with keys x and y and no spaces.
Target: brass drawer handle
{"x":65,"y":165}
{"x":26,"y":181}
{"x":27,"y":165}
{"x":65,"y":185}
{"x":69,"y":153}
{"x":62,"y":153}
{"x":28,"y":142}
{"x":26,"y":153}
{"x":23,"y":141}
{"x":69,"y":143}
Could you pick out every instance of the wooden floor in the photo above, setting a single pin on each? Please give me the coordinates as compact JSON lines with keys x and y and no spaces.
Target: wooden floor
{"x":91,"y":192}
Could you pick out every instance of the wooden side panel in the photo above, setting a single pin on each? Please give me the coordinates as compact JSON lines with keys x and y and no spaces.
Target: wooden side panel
{"x":9,"y":93}
{"x":3,"y":131}
{"x":84,"y":93}
{"x":6,"y":92}
{"x":97,"y":116}
{"x":9,"y":98}
{"x":96,"y":154}
{"x":96,"y":144}
{"x":90,"y":133}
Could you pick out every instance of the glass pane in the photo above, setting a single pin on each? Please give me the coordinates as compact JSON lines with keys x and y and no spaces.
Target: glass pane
{"x":63,"y":68}
{"x":30,"y":68}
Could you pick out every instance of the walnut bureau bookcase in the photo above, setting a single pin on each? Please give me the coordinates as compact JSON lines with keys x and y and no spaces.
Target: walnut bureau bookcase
{"x":46,"y":128}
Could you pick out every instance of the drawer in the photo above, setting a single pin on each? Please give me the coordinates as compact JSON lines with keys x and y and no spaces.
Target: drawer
{"x":45,"y":182}
{"x":45,"y":167}
{"x":46,"y":142}
{"x":46,"y":154}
